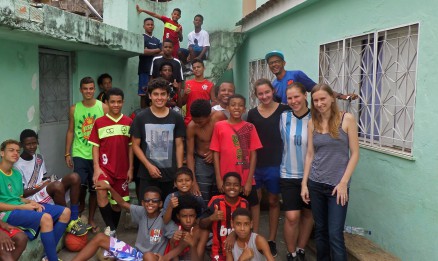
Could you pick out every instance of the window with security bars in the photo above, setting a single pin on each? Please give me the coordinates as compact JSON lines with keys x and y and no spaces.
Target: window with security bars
{"x":257,"y":69}
{"x":381,"y":67}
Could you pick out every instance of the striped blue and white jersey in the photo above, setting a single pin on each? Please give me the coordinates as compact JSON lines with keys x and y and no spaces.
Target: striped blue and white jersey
{"x":293,"y":131}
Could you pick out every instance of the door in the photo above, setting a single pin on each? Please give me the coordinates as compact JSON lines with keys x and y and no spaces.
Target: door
{"x":55,"y":100}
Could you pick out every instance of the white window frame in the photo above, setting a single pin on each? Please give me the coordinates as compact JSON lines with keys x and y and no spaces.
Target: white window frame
{"x":257,"y":69}
{"x":386,"y":84}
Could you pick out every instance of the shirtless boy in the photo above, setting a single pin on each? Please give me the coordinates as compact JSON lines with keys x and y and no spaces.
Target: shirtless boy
{"x":199,"y":155}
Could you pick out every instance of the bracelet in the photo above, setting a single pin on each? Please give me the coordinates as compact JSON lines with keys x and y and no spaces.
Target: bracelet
{"x":66,"y":155}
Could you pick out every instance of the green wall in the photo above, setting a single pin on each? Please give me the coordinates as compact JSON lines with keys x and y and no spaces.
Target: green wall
{"x":19,"y":88}
{"x":394,"y":197}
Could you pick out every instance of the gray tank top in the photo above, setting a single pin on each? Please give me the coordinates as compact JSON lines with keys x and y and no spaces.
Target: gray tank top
{"x":237,"y":251}
{"x":331,"y":157}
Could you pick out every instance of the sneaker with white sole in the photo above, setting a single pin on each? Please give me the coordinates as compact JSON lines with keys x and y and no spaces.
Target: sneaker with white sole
{"x":77,"y":228}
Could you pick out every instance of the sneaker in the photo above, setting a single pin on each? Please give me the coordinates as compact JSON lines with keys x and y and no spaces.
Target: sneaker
{"x":289,"y":257}
{"x":301,"y":254}
{"x":75,"y":227}
{"x":273,"y":248}
{"x":109,"y":232}
{"x":46,"y":259}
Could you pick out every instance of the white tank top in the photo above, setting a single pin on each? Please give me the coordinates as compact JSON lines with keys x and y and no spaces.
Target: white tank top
{"x":237,"y":251}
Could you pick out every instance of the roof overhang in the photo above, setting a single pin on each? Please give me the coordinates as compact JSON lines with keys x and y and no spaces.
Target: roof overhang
{"x":52,"y":27}
{"x":270,"y":11}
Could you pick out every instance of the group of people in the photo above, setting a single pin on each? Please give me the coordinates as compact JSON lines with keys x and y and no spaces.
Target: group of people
{"x":199,"y":179}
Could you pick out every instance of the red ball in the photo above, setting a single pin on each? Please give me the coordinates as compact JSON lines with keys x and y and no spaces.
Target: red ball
{"x":75,"y":243}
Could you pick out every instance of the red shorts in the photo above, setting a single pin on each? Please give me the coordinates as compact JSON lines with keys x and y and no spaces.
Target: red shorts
{"x":13,"y":231}
{"x":119,"y":185}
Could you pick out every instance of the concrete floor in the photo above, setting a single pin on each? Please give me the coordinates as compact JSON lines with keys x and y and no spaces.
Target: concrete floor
{"x":128,"y":234}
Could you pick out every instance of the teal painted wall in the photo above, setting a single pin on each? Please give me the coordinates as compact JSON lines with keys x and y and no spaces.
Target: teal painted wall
{"x":19,"y":88}
{"x":394,"y":197}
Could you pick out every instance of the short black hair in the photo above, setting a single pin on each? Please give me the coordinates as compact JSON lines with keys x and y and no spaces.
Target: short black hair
{"x":237,"y":96}
{"x":86,"y":80}
{"x":148,"y":19}
{"x":200,"y":108}
{"x":158,"y":83}
{"x":103,"y":76}
{"x":164,"y":64}
{"x":153,"y":189}
{"x":114,"y":92}
{"x":177,"y":9}
{"x":241,"y":212}
{"x":7,"y":142}
{"x":187,"y":202}
{"x":232,"y":174}
{"x":28,"y":133}
{"x":217,"y":88}
{"x":183,"y":171}
{"x":200,"y":16}
{"x":197,"y":60}
{"x":167,"y":41}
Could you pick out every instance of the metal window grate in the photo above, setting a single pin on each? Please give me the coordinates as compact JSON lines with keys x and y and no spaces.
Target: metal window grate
{"x":257,"y":69}
{"x":381,"y":67}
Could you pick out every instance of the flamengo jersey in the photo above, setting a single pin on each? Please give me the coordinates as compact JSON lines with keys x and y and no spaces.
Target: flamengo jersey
{"x":293,"y":132}
{"x":221,"y":229}
{"x":113,"y":139}
{"x":198,"y":90}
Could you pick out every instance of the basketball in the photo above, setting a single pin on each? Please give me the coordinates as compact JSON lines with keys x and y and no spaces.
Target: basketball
{"x":75,"y":243}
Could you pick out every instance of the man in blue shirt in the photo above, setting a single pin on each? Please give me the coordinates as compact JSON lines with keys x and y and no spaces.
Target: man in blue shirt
{"x":276,"y":63}
{"x":152,"y":47}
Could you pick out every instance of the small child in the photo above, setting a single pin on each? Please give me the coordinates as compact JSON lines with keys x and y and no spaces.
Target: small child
{"x":184,"y":183}
{"x":172,"y":29}
{"x":234,"y":143}
{"x":249,"y":245}
{"x":153,"y":234}
{"x":105,"y":82}
{"x":166,"y":72}
{"x":217,"y":217}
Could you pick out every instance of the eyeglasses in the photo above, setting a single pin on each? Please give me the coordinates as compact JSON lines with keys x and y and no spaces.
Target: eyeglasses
{"x":153,"y":200}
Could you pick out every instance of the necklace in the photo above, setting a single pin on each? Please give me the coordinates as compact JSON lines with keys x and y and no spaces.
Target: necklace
{"x":147,"y":223}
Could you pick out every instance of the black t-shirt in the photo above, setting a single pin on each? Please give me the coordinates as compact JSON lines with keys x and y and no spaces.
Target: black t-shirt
{"x":158,"y":141}
{"x":268,"y":130}
{"x":176,"y":68}
{"x":145,"y":61}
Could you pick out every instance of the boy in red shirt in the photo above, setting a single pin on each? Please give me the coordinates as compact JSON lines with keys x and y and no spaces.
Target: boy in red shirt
{"x":234,"y":144}
{"x":217,"y":217}
{"x":112,"y":157}
{"x":172,"y":29}
{"x":197,"y":88}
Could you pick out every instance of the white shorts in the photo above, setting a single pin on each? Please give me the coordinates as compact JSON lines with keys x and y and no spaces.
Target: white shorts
{"x":43,"y":197}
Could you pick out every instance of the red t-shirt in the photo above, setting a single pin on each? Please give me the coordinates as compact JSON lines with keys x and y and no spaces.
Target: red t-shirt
{"x":170,"y":28}
{"x":198,"y":90}
{"x":113,"y":139}
{"x":221,"y":229}
{"x":234,"y":142}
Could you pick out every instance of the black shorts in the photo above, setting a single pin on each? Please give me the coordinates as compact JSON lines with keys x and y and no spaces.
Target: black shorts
{"x":252,"y":198}
{"x":291,"y":194}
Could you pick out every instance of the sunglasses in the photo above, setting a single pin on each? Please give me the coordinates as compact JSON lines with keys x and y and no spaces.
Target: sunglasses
{"x":153,"y":200}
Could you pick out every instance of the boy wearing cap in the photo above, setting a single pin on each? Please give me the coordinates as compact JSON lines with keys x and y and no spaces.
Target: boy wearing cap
{"x":276,"y":63}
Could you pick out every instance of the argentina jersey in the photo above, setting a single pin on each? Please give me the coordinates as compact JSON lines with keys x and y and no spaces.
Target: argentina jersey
{"x":293,"y":132}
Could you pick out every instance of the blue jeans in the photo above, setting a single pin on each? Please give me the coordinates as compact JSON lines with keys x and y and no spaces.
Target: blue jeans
{"x":329,"y":222}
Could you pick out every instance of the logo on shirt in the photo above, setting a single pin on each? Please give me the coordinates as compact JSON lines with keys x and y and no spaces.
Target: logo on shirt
{"x":225,"y":231}
{"x":204,"y":87}
{"x":85,"y":127}
{"x":155,"y":236}
{"x":10,"y":187}
{"x":290,"y":82}
{"x":124,"y":130}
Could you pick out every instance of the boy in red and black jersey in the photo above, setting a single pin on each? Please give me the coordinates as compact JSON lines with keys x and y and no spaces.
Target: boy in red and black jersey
{"x":112,"y":156}
{"x":218,"y":214}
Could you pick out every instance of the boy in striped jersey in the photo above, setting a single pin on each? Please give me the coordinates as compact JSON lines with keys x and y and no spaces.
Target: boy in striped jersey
{"x":112,"y":157}
{"x":219,"y":211}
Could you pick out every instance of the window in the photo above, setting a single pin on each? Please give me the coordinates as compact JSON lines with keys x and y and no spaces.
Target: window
{"x":381,"y":67}
{"x":257,"y":69}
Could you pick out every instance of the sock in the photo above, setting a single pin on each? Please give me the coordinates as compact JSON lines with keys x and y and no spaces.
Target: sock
{"x":58,"y":231}
{"x":48,"y":239}
{"x":107,"y":212}
{"x":74,"y":211}
{"x":116,"y":218}
{"x":300,"y":250}
{"x":294,"y":254}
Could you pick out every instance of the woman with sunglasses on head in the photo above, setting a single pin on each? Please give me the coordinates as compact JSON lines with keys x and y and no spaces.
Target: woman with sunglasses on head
{"x":332,"y":156}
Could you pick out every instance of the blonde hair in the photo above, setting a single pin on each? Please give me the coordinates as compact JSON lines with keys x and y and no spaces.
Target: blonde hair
{"x":334,"y":120}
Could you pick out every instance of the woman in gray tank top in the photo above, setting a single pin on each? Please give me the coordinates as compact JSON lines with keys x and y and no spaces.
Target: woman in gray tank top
{"x":332,"y":156}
